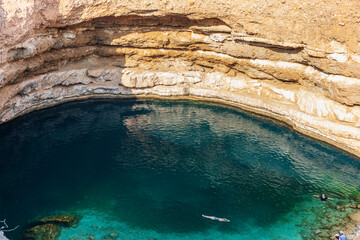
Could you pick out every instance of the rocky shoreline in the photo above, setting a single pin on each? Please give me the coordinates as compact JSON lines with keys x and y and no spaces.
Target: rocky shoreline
{"x":329,"y":219}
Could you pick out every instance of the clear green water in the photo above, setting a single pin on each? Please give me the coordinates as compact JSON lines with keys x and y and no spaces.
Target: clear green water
{"x":148,"y":170}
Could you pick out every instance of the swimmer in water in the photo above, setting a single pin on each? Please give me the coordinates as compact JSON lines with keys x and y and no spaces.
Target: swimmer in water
{"x":216,"y":218}
{"x":323,"y":197}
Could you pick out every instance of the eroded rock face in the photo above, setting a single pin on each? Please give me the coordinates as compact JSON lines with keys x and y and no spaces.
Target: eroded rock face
{"x":298,"y":61}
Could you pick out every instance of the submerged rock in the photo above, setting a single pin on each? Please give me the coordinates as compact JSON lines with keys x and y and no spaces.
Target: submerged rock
{"x":326,"y":227}
{"x":111,"y":236}
{"x":42,"y":232}
{"x":355,"y":217}
{"x":355,"y":206}
{"x":65,"y":220}
{"x":49,"y":228}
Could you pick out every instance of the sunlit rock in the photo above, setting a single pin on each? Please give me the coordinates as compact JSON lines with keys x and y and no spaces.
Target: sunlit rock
{"x":282,"y":59}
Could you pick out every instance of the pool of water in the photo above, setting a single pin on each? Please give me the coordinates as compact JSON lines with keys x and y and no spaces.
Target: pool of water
{"x":148,"y":170}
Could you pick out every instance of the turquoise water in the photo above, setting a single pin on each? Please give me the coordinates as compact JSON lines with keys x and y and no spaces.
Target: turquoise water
{"x":148,"y":170}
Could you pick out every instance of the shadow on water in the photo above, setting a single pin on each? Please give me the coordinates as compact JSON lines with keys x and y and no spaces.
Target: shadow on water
{"x":160,"y":165}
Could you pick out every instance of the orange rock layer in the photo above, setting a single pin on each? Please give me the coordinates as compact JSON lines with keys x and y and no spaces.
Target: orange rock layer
{"x":297,"y":61}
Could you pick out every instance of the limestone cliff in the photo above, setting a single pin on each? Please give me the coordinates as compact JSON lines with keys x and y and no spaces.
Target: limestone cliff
{"x":298,"y":60}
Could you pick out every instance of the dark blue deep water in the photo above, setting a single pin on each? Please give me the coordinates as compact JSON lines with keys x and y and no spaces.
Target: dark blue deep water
{"x":148,"y":170}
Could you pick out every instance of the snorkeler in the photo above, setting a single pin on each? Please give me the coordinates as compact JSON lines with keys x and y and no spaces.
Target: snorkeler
{"x":323,"y":197}
{"x":216,"y":218}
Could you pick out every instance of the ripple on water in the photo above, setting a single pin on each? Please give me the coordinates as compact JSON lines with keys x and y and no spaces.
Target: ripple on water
{"x":148,"y":170}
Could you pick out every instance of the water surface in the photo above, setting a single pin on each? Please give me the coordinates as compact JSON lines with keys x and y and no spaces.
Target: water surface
{"x":148,"y":170}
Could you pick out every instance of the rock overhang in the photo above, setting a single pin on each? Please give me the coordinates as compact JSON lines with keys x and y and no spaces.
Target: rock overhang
{"x":88,"y":50}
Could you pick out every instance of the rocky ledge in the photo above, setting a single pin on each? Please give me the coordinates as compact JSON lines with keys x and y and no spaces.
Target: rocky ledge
{"x":297,"y":61}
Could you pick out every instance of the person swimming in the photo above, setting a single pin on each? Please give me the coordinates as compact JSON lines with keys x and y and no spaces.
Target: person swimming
{"x":323,"y":197}
{"x":216,"y":218}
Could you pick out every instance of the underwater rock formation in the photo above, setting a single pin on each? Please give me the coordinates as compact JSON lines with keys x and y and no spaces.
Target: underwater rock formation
{"x":49,"y":227}
{"x":42,"y":232}
{"x":297,"y":61}
{"x":64,"y":220}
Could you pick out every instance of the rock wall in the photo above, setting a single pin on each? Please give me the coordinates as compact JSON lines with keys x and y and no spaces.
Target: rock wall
{"x":297,"y":61}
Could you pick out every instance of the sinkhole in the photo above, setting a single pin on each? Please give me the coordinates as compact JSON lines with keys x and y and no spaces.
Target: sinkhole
{"x":150,"y":169}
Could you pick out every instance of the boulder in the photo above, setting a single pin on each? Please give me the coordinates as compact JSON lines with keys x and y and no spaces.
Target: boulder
{"x":42,"y":232}
{"x":64,"y":220}
{"x":111,"y":236}
{"x":355,"y":217}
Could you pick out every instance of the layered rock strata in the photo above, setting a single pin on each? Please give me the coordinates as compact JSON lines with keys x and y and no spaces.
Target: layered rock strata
{"x":296,"y":61}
